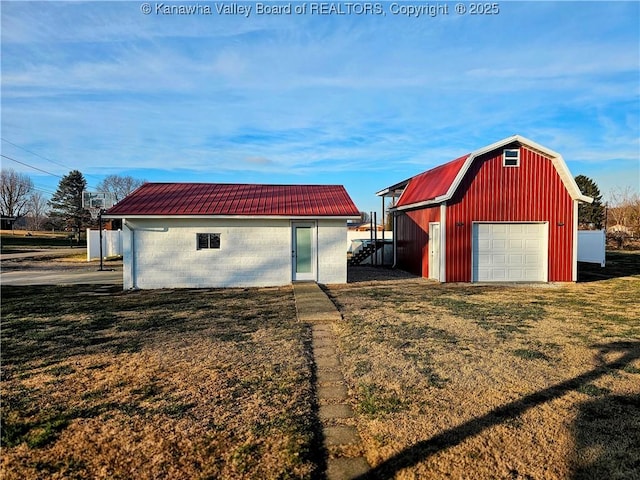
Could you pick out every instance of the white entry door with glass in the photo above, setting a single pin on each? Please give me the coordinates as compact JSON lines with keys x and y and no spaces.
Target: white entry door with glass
{"x":304,"y":251}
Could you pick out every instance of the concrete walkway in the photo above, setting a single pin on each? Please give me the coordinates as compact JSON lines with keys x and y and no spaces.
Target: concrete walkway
{"x":341,"y":441}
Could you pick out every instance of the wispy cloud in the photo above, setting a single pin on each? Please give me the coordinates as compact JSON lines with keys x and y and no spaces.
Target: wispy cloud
{"x":107,"y":89}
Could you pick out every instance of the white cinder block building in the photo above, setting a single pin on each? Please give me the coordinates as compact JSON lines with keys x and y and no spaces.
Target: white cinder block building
{"x":192,"y":235}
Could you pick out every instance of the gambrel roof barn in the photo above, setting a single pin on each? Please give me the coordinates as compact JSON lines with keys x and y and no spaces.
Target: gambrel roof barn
{"x":506,"y":212}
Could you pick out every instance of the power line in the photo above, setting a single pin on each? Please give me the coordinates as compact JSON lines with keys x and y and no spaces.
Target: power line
{"x":30,"y":166}
{"x":34,"y":153}
{"x":44,"y":190}
{"x":43,"y":157}
{"x":36,"y":168}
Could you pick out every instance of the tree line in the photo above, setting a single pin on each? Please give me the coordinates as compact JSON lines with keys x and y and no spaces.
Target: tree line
{"x":20,"y":201}
{"x":63,"y":211}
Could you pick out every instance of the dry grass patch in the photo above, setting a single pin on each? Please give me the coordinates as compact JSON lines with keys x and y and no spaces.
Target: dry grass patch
{"x":155,"y":384}
{"x":483,"y":382}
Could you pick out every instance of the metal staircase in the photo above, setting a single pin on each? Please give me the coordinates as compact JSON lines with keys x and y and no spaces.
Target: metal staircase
{"x":365,"y":252}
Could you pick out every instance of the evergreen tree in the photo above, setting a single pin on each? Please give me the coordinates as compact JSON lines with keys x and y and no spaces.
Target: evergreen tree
{"x":66,"y":203}
{"x":590,"y":215}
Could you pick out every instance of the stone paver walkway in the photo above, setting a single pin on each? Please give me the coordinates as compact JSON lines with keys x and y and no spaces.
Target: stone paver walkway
{"x":341,"y":441}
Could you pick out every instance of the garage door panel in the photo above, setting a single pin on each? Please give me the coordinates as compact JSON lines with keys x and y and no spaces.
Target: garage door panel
{"x":532,"y":244}
{"x":498,"y":243}
{"x":512,"y":252}
{"x":485,"y":244}
{"x":532,"y":260}
{"x":515,"y":261}
{"x":497,"y":228}
{"x":499,"y":260}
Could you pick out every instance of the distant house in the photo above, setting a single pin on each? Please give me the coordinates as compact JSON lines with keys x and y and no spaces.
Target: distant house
{"x":363,"y":227}
{"x":506,"y":212}
{"x":7,"y":222}
{"x":233,"y":235}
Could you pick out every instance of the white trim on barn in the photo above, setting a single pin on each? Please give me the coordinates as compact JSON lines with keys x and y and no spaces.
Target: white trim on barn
{"x":434,"y":250}
{"x":555,"y":157}
{"x":574,"y":267}
{"x":442,"y":277}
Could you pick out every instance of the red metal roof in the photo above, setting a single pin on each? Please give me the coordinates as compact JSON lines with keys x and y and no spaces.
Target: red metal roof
{"x":236,"y":199}
{"x":432,"y":183}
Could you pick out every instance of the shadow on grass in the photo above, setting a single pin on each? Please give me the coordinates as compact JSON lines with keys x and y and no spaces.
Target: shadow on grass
{"x":585,"y":433}
{"x":317,"y":453}
{"x":63,"y":321}
{"x":606,"y":433}
{"x":618,"y":264}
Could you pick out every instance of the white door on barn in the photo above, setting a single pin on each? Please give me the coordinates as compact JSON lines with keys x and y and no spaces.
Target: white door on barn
{"x":303,"y":251}
{"x":434,"y":251}
{"x":509,"y":252}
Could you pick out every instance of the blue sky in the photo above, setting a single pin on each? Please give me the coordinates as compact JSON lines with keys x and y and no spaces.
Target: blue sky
{"x":359,"y":100}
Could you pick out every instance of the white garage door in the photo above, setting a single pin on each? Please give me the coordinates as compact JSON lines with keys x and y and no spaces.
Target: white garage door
{"x":509,"y":252}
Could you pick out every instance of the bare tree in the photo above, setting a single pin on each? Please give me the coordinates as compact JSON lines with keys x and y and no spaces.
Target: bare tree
{"x":15,"y":189}
{"x":120,"y":186}
{"x":623,"y":214}
{"x":37,"y":211}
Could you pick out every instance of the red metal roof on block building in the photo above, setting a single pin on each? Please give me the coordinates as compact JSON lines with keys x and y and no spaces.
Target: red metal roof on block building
{"x":431,"y":184}
{"x":167,"y":199}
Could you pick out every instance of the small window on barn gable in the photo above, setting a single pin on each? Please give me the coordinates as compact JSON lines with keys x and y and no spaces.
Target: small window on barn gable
{"x":511,"y":157}
{"x":208,"y":240}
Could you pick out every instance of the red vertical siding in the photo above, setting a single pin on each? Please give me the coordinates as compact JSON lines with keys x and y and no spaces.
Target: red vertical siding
{"x":532,"y":192}
{"x":412,"y":239}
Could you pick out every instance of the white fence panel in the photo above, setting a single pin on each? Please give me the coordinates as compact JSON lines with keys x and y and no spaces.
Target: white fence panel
{"x":591,"y":246}
{"x":111,"y":243}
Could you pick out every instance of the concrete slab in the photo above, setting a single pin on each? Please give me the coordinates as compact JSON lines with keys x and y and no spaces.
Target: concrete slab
{"x":346,"y":468}
{"x":335,"y":393}
{"x":323,"y":336}
{"x":329,"y":376}
{"x":322,"y":328}
{"x":324,"y":351}
{"x":341,"y":435}
{"x":313,"y":305}
{"x":335,"y":411}
{"x":328,"y":340}
{"x":327,"y":362}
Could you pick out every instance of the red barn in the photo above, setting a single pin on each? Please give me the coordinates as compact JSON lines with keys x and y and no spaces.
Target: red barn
{"x":507,"y":212}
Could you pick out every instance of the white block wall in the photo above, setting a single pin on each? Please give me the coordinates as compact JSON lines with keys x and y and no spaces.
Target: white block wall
{"x":253,"y":253}
{"x":332,"y":256}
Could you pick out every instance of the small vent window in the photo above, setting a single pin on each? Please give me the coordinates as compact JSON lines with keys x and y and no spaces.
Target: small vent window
{"x":208,"y":240}
{"x":511,"y":158}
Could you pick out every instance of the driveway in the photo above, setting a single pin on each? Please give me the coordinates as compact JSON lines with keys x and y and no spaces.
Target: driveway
{"x":48,"y":267}
{"x":61,"y":277}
